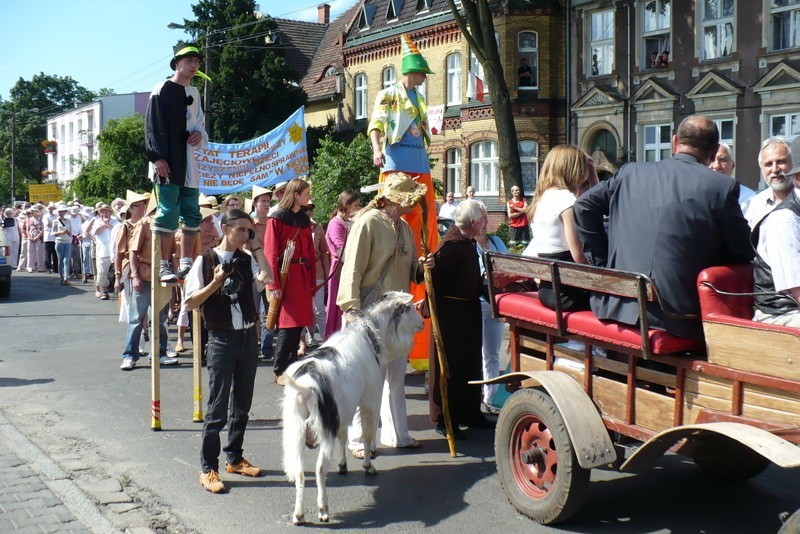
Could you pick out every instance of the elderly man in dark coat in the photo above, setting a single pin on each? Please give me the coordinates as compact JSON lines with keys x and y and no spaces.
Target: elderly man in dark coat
{"x":457,"y":284}
{"x":669,"y":220}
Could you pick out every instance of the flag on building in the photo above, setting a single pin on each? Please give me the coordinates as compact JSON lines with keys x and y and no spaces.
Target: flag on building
{"x":476,"y":87}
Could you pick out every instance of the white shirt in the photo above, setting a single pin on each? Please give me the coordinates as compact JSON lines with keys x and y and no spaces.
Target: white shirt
{"x":448,"y":211}
{"x":759,"y":205}
{"x":102,"y":238}
{"x":547,"y":228}
{"x":47,"y":224}
{"x":194,"y":282}
{"x":779,"y":245}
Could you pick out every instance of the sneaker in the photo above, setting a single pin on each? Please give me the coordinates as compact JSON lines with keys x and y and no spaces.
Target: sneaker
{"x":171,"y":353}
{"x":166,"y":275}
{"x":128,"y":363}
{"x":104,"y":295}
{"x":211,"y":482}
{"x":243,"y":468}
{"x":166,"y":360}
{"x":183,"y":270}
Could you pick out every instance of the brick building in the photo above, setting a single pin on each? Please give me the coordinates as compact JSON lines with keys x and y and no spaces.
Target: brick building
{"x":368,"y":38}
{"x":736,"y":61}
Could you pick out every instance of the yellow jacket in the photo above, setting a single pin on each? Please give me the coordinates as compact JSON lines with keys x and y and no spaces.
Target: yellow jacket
{"x":394,"y":112}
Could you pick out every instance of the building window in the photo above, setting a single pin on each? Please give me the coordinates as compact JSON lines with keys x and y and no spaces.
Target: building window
{"x":394,"y":9}
{"x":361,"y":96}
{"x":717,"y":28}
{"x":785,"y":18}
{"x":528,"y":60}
{"x":655,"y":35}
{"x":484,"y":168}
{"x":601,"y":43}
{"x":453,"y":159}
{"x":423,"y":5}
{"x":454,"y":79}
{"x":71,"y":131}
{"x":63,"y":138}
{"x":725,"y":127}
{"x":388,"y":77}
{"x":657,"y":142}
{"x":529,"y":158}
{"x":53,"y":132}
{"x":785,"y":125}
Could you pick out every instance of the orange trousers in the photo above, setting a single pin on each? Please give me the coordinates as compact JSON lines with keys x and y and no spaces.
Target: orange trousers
{"x":423,"y":341}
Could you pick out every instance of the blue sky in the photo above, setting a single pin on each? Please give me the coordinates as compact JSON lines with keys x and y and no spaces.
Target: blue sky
{"x":124,"y":46}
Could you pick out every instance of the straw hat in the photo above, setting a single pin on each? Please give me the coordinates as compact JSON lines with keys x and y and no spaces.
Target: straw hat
{"x":207,"y":212}
{"x":152,"y":204}
{"x":103,"y":207}
{"x":258,"y":191}
{"x":232,"y":197}
{"x":132,"y":197}
{"x":401,"y":188}
{"x":209,"y":201}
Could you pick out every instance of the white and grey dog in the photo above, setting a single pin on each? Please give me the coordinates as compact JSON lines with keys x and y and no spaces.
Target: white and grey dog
{"x":346,"y":372}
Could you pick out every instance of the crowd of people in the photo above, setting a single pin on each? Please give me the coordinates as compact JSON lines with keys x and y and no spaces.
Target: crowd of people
{"x":271,"y":280}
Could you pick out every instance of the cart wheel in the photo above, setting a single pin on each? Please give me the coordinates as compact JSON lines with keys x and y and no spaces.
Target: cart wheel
{"x":725,"y":459}
{"x":535,"y":459}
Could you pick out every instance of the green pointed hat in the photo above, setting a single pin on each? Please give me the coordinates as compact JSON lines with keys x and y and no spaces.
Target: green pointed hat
{"x":412,"y":59}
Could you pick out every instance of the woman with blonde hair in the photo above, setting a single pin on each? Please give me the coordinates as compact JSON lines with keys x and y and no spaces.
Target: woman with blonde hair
{"x":290,"y":222}
{"x":566,"y":173}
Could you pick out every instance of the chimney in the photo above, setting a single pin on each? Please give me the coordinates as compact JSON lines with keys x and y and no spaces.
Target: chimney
{"x":323,"y":14}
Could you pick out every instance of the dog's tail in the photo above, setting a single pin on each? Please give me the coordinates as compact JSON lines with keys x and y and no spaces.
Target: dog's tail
{"x":297,"y":407}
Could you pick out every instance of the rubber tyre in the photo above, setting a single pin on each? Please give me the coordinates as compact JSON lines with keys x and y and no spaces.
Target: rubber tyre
{"x":5,"y":288}
{"x":724,"y":459}
{"x":536,"y":461}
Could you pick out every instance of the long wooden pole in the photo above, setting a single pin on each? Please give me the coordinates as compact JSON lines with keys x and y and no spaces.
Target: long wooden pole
{"x":444,"y":372}
{"x":155,"y":342}
{"x":197,"y":369}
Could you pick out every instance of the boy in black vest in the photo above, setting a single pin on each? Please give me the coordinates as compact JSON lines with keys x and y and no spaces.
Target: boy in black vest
{"x":223,"y":283}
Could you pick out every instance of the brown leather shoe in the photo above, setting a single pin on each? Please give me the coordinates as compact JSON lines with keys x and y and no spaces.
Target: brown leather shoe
{"x":243,"y":468}
{"x":211,"y":482}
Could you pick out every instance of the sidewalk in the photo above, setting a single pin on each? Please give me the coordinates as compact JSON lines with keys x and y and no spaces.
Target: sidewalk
{"x":36,"y":495}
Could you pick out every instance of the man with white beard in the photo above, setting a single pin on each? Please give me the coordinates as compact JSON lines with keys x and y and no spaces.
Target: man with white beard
{"x":775,"y":162}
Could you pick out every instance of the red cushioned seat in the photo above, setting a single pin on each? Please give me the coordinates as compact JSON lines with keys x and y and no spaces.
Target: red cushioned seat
{"x":527,"y":307}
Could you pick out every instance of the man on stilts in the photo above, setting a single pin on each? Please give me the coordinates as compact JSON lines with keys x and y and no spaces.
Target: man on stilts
{"x":400,"y":137}
{"x":174,"y":127}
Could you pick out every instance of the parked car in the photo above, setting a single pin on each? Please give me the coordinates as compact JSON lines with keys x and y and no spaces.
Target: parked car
{"x":443,"y":224}
{"x":5,"y":266}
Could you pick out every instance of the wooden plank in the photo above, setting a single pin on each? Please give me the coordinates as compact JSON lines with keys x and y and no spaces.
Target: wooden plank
{"x":771,"y":398}
{"x":583,"y":276}
{"x":770,"y":415}
{"x":755,"y":350}
{"x":654,"y":410}
{"x":609,"y":396}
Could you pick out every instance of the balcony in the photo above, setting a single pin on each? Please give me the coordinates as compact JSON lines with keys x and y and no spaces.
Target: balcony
{"x":86,"y":138}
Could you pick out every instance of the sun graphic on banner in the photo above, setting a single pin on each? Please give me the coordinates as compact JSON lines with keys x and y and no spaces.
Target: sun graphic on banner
{"x":295,"y":133}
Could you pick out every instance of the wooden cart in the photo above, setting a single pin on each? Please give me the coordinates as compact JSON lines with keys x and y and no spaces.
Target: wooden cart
{"x":732,"y":403}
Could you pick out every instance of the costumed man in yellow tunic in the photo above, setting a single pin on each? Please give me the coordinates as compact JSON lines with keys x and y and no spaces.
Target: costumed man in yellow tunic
{"x":400,"y":135}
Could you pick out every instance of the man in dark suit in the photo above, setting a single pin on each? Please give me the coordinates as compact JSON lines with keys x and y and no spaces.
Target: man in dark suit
{"x":669,"y":220}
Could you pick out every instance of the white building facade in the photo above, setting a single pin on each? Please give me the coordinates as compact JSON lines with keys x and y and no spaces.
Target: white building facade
{"x":75,"y":133}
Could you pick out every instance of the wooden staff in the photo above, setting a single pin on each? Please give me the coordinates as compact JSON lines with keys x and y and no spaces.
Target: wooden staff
{"x":444,"y":373}
{"x":275,"y":303}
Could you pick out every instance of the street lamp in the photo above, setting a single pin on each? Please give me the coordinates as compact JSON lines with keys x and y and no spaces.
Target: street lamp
{"x":14,"y":114}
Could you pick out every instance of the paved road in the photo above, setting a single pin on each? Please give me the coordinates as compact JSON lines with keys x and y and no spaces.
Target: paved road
{"x":75,"y":429}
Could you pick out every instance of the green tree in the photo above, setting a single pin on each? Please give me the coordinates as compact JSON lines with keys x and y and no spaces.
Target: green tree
{"x":122,"y":164}
{"x":47,"y":95}
{"x":474,"y":19}
{"x":339,"y":166}
{"x":252,"y":90}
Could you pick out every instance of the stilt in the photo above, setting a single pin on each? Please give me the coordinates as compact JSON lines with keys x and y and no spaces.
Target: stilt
{"x":197,"y":367}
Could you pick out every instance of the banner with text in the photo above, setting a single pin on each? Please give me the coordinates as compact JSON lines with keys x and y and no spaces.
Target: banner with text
{"x":276,"y":156}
